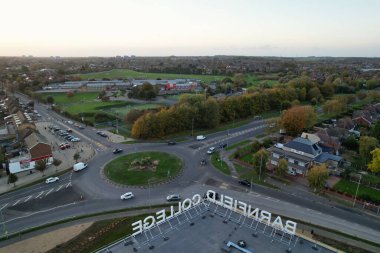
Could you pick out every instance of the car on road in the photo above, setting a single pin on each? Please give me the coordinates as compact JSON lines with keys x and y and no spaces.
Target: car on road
{"x":79,"y":166}
{"x":223,"y":145}
{"x":117,"y":151}
{"x":51,"y":180}
{"x":245,"y":183}
{"x":200,"y":137}
{"x":70,"y":122}
{"x":171,"y":142}
{"x":127,"y":195}
{"x":101,"y":133}
{"x":173,"y":197}
{"x":203,"y":162}
{"x":211,"y":150}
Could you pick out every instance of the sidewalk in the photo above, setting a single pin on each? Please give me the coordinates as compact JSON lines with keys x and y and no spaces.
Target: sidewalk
{"x":85,"y":151}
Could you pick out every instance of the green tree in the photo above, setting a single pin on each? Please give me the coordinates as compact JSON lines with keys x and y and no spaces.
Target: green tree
{"x":50,"y":99}
{"x":56,"y":162}
{"x":318,"y":176}
{"x":260,"y":160}
{"x":374,"y":165}
{"x":366,"y":145}
{"x":375,"y":130}
{"x":76,"y":156}
{"x":41,"y":166}
{"x":281,"y":168}
{"x":12,"y":179}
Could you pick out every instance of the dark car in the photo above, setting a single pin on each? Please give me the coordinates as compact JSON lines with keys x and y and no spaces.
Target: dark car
{"x":203,"y":162}
{"x":117,"y":151}
{"x":245,"y":183}
{"x":101,"y":133}
{"x":224,"y":145}
{"x":173,"y":197}
{"x":171,"y":143}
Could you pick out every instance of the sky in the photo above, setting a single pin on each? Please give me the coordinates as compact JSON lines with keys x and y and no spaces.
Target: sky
{"x":190,"y":27}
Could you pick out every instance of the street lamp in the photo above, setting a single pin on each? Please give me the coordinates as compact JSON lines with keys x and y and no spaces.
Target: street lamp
{"x":357,"y":189}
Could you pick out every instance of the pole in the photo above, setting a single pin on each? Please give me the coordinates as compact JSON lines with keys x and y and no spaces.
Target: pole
{"x":357,"y":189}
{"x":261,"y":161}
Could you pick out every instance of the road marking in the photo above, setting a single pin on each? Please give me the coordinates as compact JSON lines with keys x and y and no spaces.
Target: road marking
{"x":69,"y":184}
{"x":4,"y":206}
{"x":59,"y":188}
{"x":39,"y":194}
{"x":16,"y":203}
{"x":28,"y":198}
{"x":49,"y":192}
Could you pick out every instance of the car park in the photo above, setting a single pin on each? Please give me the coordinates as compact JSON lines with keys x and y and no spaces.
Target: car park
{"x":117,"y":151}
{"x":200,"y":137}
{"x":51,"y":180}
{"x":245,"y":183}
{"x":173,"y":197}
{"x":171,"y":143}
{"x":211,"y":150}
{"x":127,"y":195}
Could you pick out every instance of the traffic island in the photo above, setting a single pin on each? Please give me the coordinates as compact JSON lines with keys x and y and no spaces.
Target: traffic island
{"x":143,"y":168}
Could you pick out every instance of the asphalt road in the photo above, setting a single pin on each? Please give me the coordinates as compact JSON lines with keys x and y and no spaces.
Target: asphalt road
{"x":88,"y":191}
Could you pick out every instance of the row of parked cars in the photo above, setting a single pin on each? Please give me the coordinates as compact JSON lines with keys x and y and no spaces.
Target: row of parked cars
{"x":65,"y":134}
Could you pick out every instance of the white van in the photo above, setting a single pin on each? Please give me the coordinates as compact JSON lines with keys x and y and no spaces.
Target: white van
{"x":200,"y":137}
{"x":79,"y":166}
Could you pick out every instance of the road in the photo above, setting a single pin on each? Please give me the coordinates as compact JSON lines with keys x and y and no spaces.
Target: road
{"x":88,"y":192}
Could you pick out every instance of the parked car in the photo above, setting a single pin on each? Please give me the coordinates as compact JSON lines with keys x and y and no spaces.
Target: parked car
{"x":211,"y":150}
{"x":69,"y":130}
{"x":245,"y":183}
{"x":117,"y":151}
{"x":127,"y":195}
{"x":171,"y":143}
{"x":51,"y":180}
{"x":173,"y":197}
{"x":79,"y":166}
{"x":75,"y":139}
{"x":101,"y":133}
{"x":291,"y":172}
{"x":200,"y":137}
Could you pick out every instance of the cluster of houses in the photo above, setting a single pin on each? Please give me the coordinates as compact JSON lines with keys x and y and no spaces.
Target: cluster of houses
{"x":22,"y":145}
{"x":324,"y":144}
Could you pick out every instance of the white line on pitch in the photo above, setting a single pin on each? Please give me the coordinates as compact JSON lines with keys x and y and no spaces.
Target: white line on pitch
{"x":39,"y":194}
{"x":28,"y":198}
{"x":49,"y":192}
{"x":16,"y":203}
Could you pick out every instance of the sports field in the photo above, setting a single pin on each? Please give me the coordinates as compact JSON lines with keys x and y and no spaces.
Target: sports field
{"x":126,"y":73}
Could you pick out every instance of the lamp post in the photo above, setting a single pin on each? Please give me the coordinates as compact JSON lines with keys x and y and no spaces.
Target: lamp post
{"x":357,"y":189}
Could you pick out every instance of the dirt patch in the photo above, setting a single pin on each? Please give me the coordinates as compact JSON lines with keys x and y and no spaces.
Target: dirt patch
{"x":47,"y":241}
{"x":144,"y":164}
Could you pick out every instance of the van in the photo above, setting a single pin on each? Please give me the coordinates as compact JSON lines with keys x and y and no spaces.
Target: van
{"x":79,"y":166}
{"x":200,"y":137}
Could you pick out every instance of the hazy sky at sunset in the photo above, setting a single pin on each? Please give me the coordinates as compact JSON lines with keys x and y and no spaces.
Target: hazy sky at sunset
{"x":190,"y":27}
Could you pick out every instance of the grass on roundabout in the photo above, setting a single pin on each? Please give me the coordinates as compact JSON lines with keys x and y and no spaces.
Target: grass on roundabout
{"x":162,"y":166}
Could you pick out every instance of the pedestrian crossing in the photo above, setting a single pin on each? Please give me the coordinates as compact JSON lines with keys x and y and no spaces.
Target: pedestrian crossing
{"x":38,"y":195}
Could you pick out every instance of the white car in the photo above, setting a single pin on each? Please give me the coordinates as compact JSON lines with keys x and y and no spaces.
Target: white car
{"x":51,"y":180}
{"x":211,"y":150}
{"x":127,"y":195}
{"x":200,"y":137}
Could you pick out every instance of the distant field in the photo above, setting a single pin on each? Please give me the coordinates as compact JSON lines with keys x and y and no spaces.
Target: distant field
{"x":126,"y":73}
{"x":124,"y":110}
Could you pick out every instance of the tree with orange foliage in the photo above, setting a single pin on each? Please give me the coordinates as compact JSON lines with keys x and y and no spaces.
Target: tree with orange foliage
{"x":298,"y":118}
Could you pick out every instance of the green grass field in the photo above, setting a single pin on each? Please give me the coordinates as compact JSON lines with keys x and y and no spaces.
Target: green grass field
{"x":126,"y":73}
{"x":122,"y":111}
{"x":350,"y":188}
{"x":219,"y":164}
{"x":119,"y":170}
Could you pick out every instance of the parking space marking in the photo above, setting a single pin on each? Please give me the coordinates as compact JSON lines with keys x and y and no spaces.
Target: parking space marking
{"x":4,"y":206}
{"x":59,"y":188}
{"x":69,"y":184}
{"x":39,"y":194}
{"x":49,"y":192}
{"x":28,"y":198}
{"x":16,"y":202}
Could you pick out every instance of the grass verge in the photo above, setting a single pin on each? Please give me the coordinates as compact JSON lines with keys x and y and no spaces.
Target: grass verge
{"x":220,"y":164}
{"x":252,"y":176}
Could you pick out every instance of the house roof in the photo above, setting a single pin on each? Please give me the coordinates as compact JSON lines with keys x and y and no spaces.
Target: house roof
{"x":312,"y":137}
{"x":289,"y":154}
{"x":304,"y":145}
{"x":324,"y":157}
{"x":33,"y":139}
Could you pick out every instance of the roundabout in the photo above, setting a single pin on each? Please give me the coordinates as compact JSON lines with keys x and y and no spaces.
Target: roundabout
{"x":143,"y":168}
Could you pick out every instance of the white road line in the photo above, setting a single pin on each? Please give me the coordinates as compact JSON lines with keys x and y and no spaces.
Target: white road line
{"x":49,"y":192}
{"x":16,"y":203}
{"x":28,"y":198}
{"x":69,"y":184}
{"x":39,"y":194}
{"x":59,"y":188}
{"x":4,"y":206}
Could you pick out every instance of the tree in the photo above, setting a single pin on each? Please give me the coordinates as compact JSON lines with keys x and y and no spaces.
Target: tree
{"x":56,"y":162}
{"x":374,"y":166}
{"x":260,"y":159}
{"x":50,"y":99}
{"x":281,"y":168}
{"x":76,"y":157}
{"x":318,"y":176}
{"x":133,"y":115}
{"x":298,"y":118}
{"x":12,"y":179}
{"x":41,"y":166}
{"x":366,"y":145}
{"x":375,"y":130}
